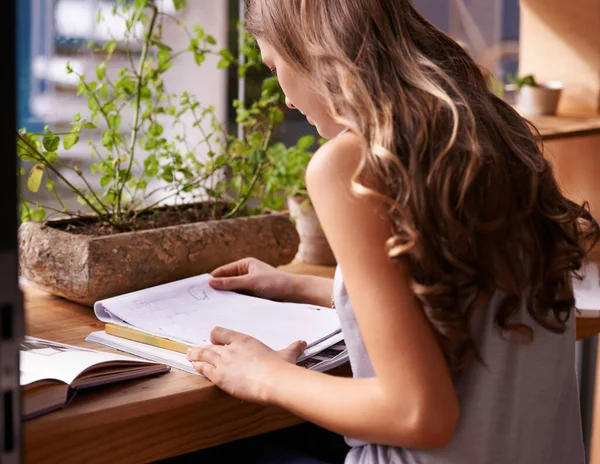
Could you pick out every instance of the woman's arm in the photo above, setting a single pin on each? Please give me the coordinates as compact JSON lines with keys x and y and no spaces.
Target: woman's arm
{"x":260,"y":279}
{"x":311,"y":289}
{"x":411,"y":402}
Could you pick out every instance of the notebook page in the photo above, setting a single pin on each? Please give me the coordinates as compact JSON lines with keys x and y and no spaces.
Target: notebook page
{"x":187,"y":311}
{"x":45,"y":359}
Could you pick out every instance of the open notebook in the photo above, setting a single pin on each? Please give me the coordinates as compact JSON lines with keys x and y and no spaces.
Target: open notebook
{"x":187,"y":310}
{"x":51,"y":372}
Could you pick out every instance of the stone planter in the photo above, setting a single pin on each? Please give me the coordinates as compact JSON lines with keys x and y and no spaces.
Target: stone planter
{"x":314,"y":247}
{"x":540,"y":100}
{"x":86,"y":269}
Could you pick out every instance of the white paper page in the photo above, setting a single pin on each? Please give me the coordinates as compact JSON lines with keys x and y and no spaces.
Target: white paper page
{"x":587,"y":292}
{"x":44,"y":359}
{"x":187,"y":311}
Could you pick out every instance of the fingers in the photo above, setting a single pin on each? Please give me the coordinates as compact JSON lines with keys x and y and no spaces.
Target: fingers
{"x":293,"y":351}
{"x":236,"y":268}
{"x":241,"y":283}
{"x":206,"y":369}
{"x":221,"y":336}
{"x":205,"y":354}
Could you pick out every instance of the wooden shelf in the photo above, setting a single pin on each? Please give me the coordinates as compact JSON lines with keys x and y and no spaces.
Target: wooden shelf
{"x":560,"y":127}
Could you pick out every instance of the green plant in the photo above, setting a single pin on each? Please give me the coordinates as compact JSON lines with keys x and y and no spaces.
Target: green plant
{"x":520,"y":81}
{"x":129,"y":166}
{"x":284,"y":174}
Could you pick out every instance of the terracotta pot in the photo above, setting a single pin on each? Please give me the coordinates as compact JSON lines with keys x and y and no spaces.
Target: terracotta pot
{"x":86,"y":269}
{"x":540,"y":100}
{"x":314,"y":247}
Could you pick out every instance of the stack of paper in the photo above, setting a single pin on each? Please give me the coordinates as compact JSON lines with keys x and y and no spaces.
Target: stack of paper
{"x":321,"y":357}
{"x":186,"y":311}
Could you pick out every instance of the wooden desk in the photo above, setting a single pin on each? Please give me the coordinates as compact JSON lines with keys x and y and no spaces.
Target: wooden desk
{"x":148,"y":419}
{"x":141,"y":420}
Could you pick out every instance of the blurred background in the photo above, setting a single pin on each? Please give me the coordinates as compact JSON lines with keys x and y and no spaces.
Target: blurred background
{"x":54,"y":32}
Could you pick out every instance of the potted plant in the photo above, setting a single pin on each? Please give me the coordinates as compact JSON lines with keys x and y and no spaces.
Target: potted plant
{"x":534,"y":98}
{"x":283,"y":182}
{"x":162,"y":210}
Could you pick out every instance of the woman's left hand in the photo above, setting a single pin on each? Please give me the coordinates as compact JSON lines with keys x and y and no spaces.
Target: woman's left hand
{"x":241,"y":365}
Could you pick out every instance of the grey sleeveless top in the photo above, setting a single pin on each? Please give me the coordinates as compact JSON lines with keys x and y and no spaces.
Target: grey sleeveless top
{"x":523,"y":407}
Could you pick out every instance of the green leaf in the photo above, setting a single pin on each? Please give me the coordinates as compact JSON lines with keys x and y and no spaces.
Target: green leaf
{"x":199,"y":31}
{"x":105,"y":180}
{"x":35,"y":178}
{"x":146,"y":93}
{"x":276,"y":115}
{"x":50,"y":185}
{"x":155,"y":129}
{"x":211,"y":40}
{"x":51,"y":142}
{"x":257,"y":138}
{"x":38,"y":214}
{"x":227,"y":55}
{"x":305,"y":142}
{"x":101,"y":70}
{"x":51,"y":156}
{"x":220,"y":161}
{"x":25,"y":213}
{"x":110,"y":46}
{"x":151,"y":166}
{"x":167,"y":174}
{"x":81,"y":200}
{"x":148,"y":143}
{"x":70,"y":140}
{"x":89,"y":125}
{"x":223,"y":63}
{"x":163,"y":56}
{"x":200,"y":57}
{"x":179,"y":4}
{"x":114,"y":121}
{"x":270,"y":86}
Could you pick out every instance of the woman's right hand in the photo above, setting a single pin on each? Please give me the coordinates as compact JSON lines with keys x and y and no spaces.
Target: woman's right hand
{"x":249,"y":275}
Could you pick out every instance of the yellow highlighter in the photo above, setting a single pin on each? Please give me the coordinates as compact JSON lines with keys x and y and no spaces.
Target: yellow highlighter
{"x":148,"y":339}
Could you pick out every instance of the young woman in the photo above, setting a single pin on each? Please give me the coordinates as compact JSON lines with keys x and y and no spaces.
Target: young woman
{"x":455,"y":250}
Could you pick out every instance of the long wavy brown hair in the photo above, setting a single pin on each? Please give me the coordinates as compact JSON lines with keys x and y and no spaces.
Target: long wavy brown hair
{"x":475,"y":206}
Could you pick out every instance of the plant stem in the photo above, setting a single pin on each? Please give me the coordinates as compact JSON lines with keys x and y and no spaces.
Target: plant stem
{"x":245,"y":198}
{"x":196,"y":181}
{"x":82,"y":177}
{"x":56,"y":194}
{"x":136,"y":117}
{"x":41,"y":158}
